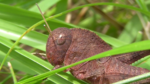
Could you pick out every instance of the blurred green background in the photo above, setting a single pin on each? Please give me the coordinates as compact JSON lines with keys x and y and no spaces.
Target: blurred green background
{"x":117,"y":26}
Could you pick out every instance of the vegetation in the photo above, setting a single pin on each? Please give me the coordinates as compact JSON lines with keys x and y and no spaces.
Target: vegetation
{"x":120,"y":23}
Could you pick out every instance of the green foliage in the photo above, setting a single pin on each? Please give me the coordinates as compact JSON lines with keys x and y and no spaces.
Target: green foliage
{"x":22,"y":24}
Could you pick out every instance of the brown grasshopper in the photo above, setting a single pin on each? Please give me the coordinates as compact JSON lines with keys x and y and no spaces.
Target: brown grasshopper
{"x":67,"y":46}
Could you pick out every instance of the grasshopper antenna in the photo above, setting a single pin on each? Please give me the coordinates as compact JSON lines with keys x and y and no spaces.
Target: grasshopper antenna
{"x":48,"y":28}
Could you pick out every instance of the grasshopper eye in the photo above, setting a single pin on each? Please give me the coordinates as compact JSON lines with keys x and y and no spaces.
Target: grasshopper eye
{"x":61,"y":39}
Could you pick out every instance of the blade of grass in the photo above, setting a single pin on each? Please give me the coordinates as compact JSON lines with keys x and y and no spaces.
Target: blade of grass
{"x":131,"y":30}
{"x":16,"y":64}
{"x":12,"y":72}
{"x":60,"y":7}
{"x":3,"y":82}
{"x":142,"y":4}
{"x":26,"y":18}
{"x":134,"y":79}
{"x":43,"y":5}
{"x":142,"y":61}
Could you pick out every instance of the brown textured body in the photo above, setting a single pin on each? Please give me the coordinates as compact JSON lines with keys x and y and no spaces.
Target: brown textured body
{"x":69,"y":46}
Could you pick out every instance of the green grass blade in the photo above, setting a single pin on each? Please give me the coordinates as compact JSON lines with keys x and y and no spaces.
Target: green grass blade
{"x":12,"y":72}
{"x":142,"y":4}
{"x":134,"y":79}
{"x":131,"y":30}
{"x":43,"y":5}
{"x":3,"y":82}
